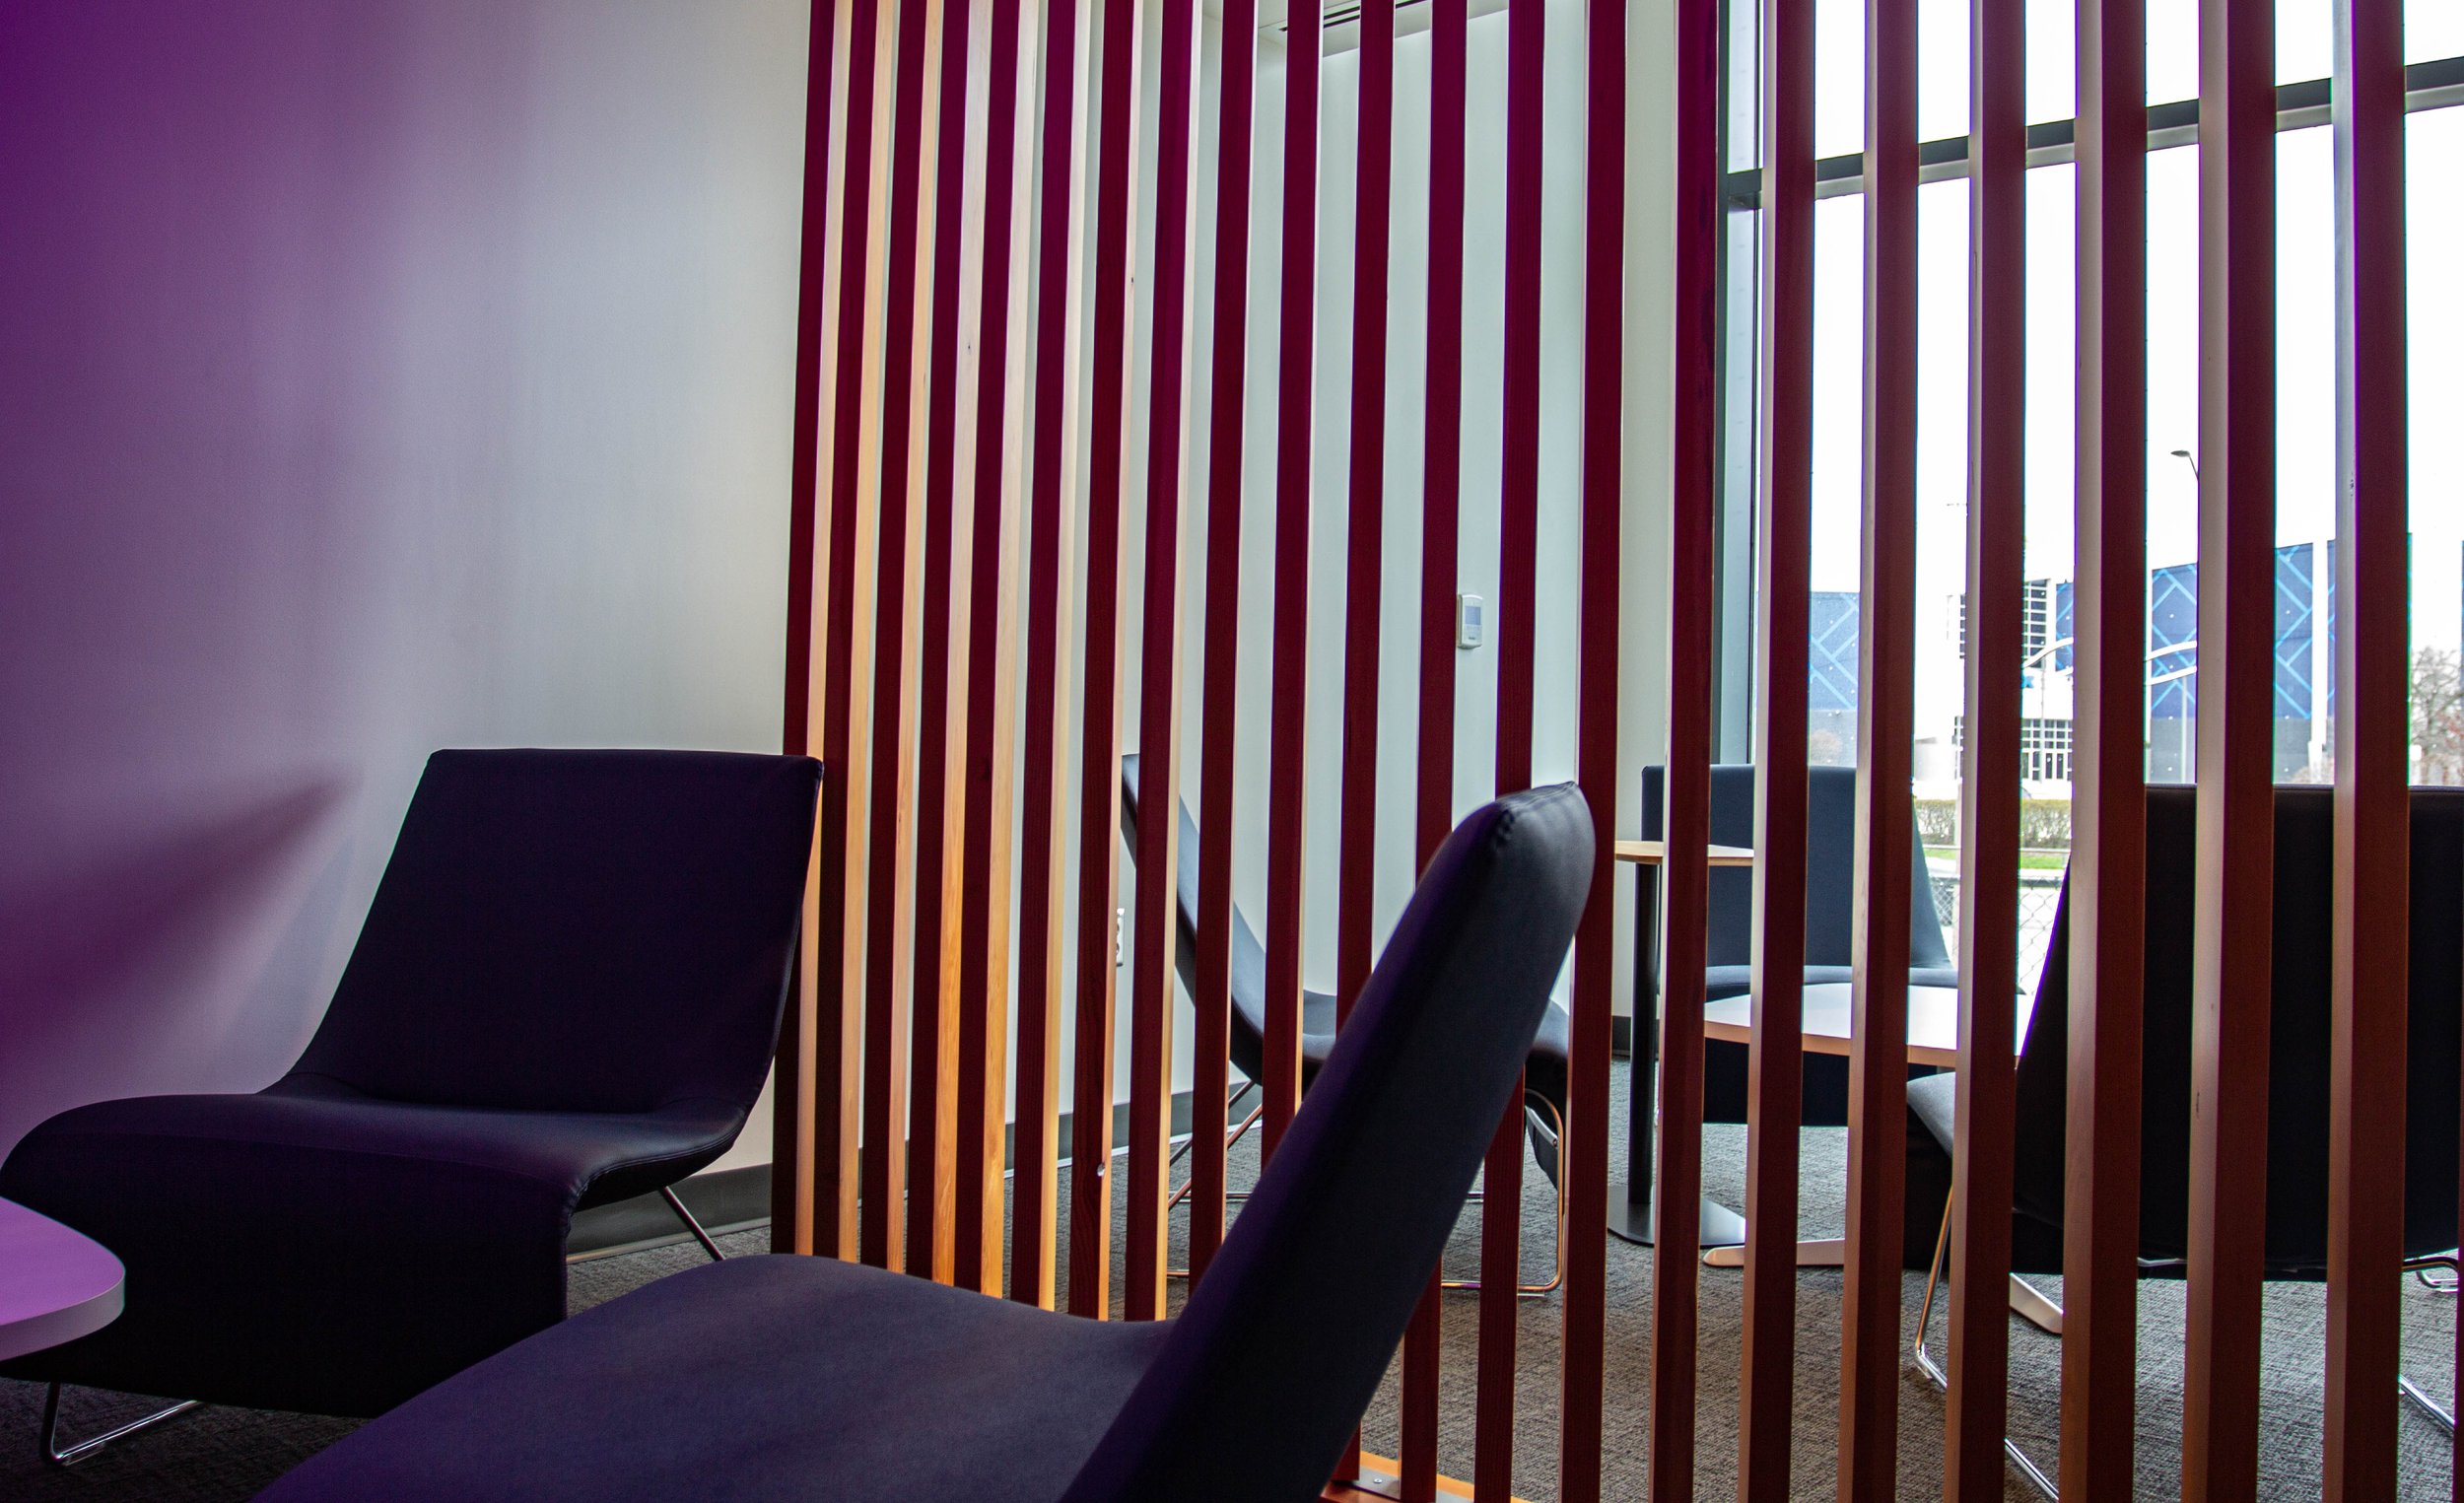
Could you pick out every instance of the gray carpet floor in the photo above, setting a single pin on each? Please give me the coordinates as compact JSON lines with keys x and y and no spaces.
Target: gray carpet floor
{"x":218,"y":1455}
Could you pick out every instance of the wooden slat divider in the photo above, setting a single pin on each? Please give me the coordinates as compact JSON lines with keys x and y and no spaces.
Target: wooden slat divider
{"x":1776,"y":1067}
{"x":991,"y":645}
{"x":2108,"y":848}
{"x":1973,"y":1468}
{"x":1701,"y":223}
{"x":794,"y":1092}
{"x":1887,"y":868}
{"x":1099,"y":725}
{"x":2235,"y":903}
{"x":888,"y":903}
{"x":1288,"y":719}
{"x":839,"y":1033}
{"x":1583,"y":1154}
{"x":1155,"y":929}
{"x":2366,"y":1098}
{"x":1226,"y":428}
{"x":1052,"y":510}
{"x":940,"y":776}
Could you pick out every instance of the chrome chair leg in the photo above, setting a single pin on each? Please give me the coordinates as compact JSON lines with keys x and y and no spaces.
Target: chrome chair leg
{"x":55,"y":1454}
{"x":695,"y":1227}
{"x":1934,"y":1372}
{"x":2428,"y":1405}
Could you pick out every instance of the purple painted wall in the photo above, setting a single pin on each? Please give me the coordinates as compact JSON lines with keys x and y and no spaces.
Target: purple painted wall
{"x":373,"y":377}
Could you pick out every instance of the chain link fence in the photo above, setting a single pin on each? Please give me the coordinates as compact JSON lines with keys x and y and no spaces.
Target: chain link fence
{"x":2040,"y":893}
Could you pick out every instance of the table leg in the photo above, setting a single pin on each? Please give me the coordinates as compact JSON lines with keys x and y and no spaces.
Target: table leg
{"x":1631,"y":1217}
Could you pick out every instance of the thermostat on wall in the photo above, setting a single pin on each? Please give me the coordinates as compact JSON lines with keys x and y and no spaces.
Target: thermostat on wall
{"x":1467,"y":614}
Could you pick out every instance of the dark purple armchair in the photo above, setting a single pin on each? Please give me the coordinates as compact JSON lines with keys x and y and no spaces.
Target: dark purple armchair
{"x":566,"y":992}
{"x":805,"y":1377}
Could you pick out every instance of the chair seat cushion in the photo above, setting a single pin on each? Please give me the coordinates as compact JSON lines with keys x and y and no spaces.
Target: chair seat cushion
{"x":1934,"y":1099}
{"x":255,"y":1229}
{"x":753,"y":1380}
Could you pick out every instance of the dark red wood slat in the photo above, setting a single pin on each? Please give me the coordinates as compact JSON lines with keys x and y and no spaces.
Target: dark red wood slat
{"x":791,"y":1129}
{"x":1288,"y":721}
{"x":933,"y":1117}
{"x":888,"y":906}
{"x":1501,"y":1175}
{"x":1973,"y":1468}
{"x":1226,"y":427}
{"x":1044,"y":791}
{"x":2365,"y":1118}
{"x":1776,"y":1062}
{"x":1583,"y":1159}
{"x":1099,"y":778}
{"x":2235,"y":915}
{"x":2108,"y":846}
{"x":1877,"y":1065}
{"x":991,"y":675}
{"x":839,"y":963}
{"x":1701,"y":222}
{"x":1153,"y":987}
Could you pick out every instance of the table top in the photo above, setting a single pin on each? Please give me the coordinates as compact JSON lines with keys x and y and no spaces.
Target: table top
{"x":1653,"y":853}
{"x":1932,"y":1021}
{"x":56,"y":1284}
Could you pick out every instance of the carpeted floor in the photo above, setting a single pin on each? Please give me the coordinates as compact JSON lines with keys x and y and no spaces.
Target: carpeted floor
{"x":228,"y":1453}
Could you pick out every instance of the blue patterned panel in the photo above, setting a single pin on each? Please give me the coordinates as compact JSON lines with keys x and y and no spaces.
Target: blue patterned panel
{"x":2292,"y":632}
{"x":2062,"y":626}
{"x":1831,"y":682}
{"x":2172,"y":622}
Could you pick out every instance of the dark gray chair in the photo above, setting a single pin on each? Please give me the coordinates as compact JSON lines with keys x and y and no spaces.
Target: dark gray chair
{"x":807,"y":1378}
{"x":2299,"y":1056}
{"x":566,"y":994}
{"x":1830,"y":914}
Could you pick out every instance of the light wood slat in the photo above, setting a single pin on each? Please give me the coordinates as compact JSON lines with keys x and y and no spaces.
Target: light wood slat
{"x":1226,"y":430}
{"x":1701,"y":223}
{"x":1877,"y":1065}
{"x":2108,"y":875}
{"x":992,"y":647}
{"x":1287,"y":724}
{"x":839,"y":1035}
{"x":793,"y":1092}
{"x":2366,"y":1111}
{"x":889,"y":911}
{"x":942,"y":629}
{"x":2234,"y":917}
{"x":1973,"y":1468}
{"x":1154,"y":923}
{"x":1109,"y":364}
{"x":1583,"y":1157}
{"x":1775,"y":1064}
{"x":1052,"y":542}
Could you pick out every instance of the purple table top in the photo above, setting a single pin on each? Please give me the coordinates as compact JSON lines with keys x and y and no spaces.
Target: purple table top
{"x":56,"y":1284}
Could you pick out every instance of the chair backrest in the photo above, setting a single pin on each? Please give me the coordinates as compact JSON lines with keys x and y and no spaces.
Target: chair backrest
{"x":1268,"y":1369}
{"x":1249,"y":957}
{"x":1830,"y":868}
{"x":2298,"y":1038}
{"x":579,"y":932}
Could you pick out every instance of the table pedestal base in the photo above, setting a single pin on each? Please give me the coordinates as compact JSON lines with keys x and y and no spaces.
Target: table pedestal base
{"x":1634,"y":1223}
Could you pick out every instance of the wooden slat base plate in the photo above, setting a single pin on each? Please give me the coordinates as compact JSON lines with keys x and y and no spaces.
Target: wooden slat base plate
{"x":1381,"y":1481}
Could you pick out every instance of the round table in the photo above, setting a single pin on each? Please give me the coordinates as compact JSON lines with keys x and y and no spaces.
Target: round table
{"x":56,"y":1284}
{"x":1932,"y":1021}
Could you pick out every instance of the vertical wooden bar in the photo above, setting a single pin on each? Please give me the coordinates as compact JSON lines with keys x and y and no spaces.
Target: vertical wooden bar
{"x":1988,"y":858}
{"x":1583,"y":1158}
{"x":1099,"y":776}
{"x":2235,"y":903}
{"x":1226,"y":428}
{"x":839,"y":1033}
{"x":982,"y":991}
{"x":1886,"y":865}
{"x":1156,"y":926}
{"x":1288,"y":724}
{"x":888,"y":904}
{"x":1676,"y":1266}
{"x":1775,"y":1064}
{"x":1501,"y":1176}
{"x":940,"y":777}
{"x":2108,"y":821}
{"x":791,"y":1130}
{"x":2365,"y":1118}
{"x":1051,"y":543}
